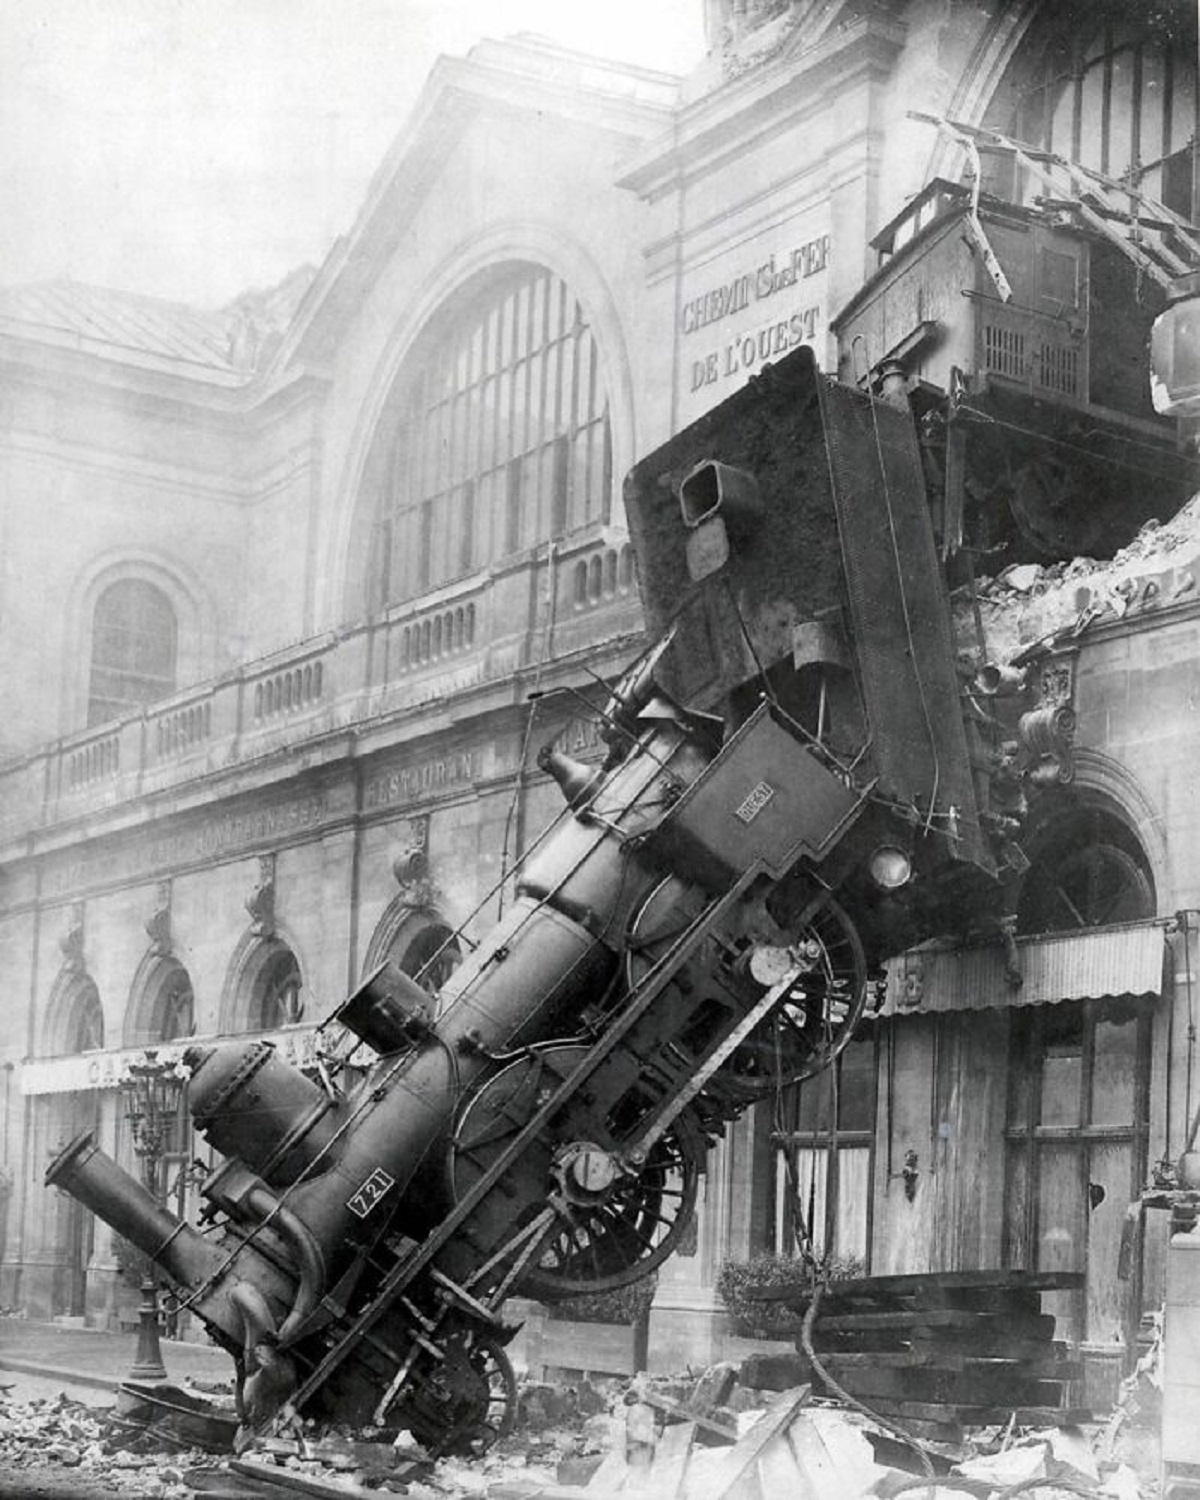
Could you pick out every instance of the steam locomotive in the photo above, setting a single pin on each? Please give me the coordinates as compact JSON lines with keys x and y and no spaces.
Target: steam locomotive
{"x":789,"y":792}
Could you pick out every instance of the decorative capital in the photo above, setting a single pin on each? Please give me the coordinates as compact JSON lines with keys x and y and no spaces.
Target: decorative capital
{"x":158,"y":923}
{"x":260,"y":903}
{"x":411,"y":863}
{"x":1056,"y":682}
{"x":71,"y":941}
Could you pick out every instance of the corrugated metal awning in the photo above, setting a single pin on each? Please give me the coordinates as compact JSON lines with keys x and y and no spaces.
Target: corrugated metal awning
{"x":1087,"y":965}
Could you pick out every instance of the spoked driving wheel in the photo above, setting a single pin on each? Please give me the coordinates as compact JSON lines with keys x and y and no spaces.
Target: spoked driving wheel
{"x":817,"y":1016}
{"x":629,"y":1231}
{"x":811,"y":1022}
{"x":611,"y":1225}
{"x":467,"y":1401}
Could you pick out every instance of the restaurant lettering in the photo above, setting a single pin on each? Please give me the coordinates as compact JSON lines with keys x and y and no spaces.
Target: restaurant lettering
{"x":409,"y":783}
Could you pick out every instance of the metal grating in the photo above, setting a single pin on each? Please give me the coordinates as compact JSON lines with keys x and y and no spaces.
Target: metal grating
{"x":1057,"y":369}
{"x":1004,"y":351}
{"x":900,"y":614}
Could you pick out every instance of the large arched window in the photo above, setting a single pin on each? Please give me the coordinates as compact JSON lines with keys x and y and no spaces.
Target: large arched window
{"x":83,"y":1025}
{"x":1112,"y":87}
{"x":164,"y":1005}
{"x":276,"y":1000}
{"x":426,"y":949}
{"x":1088,"y":870}
{"x":502,"y":438}
{"x":134,"y":640}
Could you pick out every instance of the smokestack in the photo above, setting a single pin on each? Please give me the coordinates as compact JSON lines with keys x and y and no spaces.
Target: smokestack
{"x":91,"y":1176}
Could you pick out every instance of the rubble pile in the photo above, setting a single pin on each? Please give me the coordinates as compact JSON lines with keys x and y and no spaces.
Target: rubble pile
{"x":93,"y":1447}
{"x":1030,"y":603}
{"x":715,"y":1437}
{"x":705,"y":1436}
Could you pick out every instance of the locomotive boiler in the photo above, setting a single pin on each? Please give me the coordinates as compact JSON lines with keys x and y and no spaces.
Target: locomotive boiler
{"x":788,"y":793}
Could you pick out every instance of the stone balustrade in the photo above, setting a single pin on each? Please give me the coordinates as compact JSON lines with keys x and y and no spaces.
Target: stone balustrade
{"x":416,"y":652}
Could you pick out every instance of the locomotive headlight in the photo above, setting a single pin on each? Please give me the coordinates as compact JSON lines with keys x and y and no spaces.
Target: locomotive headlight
{"x":890,"y":867}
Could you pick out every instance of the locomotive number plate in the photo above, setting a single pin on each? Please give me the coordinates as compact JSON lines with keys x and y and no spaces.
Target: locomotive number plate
{"x":368,"y":1193}
{"x":750,"y":807}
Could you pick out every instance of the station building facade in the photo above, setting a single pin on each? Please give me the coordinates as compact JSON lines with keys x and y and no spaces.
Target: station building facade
{"x":293,"y":591}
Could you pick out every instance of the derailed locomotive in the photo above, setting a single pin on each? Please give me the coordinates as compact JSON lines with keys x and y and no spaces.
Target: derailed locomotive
{"x":790,"y":792}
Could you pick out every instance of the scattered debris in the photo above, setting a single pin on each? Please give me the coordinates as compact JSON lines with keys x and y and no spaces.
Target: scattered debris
{"x":716,"y":1434}
{"x":1029,"y":602}
{"x":181,"y":1419}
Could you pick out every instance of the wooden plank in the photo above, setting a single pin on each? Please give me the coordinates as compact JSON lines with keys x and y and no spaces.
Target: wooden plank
{"x":1054,"y":1366}
{"x":779,"y":1474}
{"x":932,"y":1341}
{"x":949,"y":1433}
{"x":610,"y":1476}
{"x":292,"y":1480}
{"x":724,"y":1430}
{"x":952,"y":1388}
{"x":908,"y":1284}
{"x":1023,"y":1326}
{"x":739,"y":1463}
{"x":981,"y":1416}
{"x":665,"y":1475}
{"x":774,"y":1372}
{"x":812,"y":1462}
{"x":981,"y":1299}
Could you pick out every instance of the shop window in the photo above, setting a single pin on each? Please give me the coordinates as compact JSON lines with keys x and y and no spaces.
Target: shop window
{"x":84,"y":1025}
{"x":166,"y":1012}
{"x":134,"y":640}
{"x":824,"y":1131}
{"x":276,"y":999}
{"x":1078,"y":1107}
{"x":1078,"y":1122}
{"x":503,"y":439}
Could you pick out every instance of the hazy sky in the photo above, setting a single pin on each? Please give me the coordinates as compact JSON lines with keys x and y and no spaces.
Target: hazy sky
{"x":196,"y":148}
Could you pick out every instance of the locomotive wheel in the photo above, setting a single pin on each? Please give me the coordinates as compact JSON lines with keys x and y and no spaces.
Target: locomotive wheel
{"x":627,"y":1236}
{"x":817,"y":1017}
{"x":467,"y":1402}
{"x":613,"y":1227}
{"x":810,"y":1025}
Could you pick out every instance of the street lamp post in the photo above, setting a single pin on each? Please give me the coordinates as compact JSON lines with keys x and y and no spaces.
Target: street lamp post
{"x":150,"y":1090}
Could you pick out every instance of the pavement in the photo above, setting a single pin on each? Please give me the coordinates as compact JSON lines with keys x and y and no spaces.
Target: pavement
{"x":91,"y":1357}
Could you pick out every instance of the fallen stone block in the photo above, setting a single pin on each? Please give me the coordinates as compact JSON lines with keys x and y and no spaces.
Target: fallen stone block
{"x":775,"y":1372}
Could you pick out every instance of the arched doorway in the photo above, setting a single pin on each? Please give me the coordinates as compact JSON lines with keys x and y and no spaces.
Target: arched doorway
{"x":162,"y":1011}
{"x":76,"y":1017}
